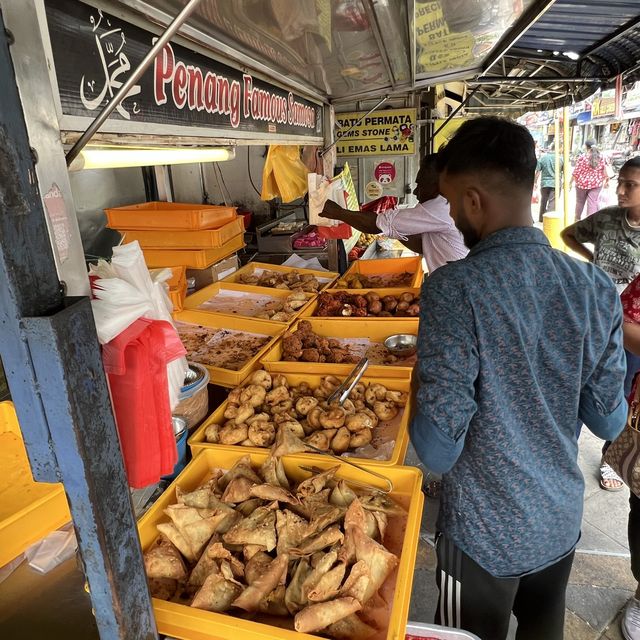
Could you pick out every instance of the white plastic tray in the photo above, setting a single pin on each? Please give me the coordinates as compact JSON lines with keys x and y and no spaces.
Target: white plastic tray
{"x":422,"y":630}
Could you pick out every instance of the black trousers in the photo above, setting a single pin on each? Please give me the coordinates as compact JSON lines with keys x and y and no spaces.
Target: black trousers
{"x":547,"y":200}
{"x":474,"y":600}
{"x":634,"y":535}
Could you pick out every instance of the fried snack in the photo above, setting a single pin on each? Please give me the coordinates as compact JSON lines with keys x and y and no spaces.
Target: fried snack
{"x":163,"y":561}
{"x":291,"y":530}
{"x":319,"y":542}
{"x":163,"y":588}
{"x":295,"y":597}
{"x":329,"y":584}
{"x":258,"y":528}
{"x":269,"y":492}
{"x":250,"y":598}
{"x":316,"y":482}
{"x":212,"y":433}
{"x":247,"y":507}
{"x":238,"y":490}
{"x":342,"y":495}
{"x":380,"y":562}
{"x":216,"y":594}
{"x":359,"y":582}
{"x":274,"y":604}
{"x":256,"y":566}
{"x":171,"y":532}
{"x":242,"y":468}
{"x":360,"y":439}
{"x":205,"y":566}
{"x":262,"y":434}
{"x":287,"y":442}
{"x":350,"y":628}
{"x":273,"y":472}
{"x":341,"y":441}
{"x":318,"y":616}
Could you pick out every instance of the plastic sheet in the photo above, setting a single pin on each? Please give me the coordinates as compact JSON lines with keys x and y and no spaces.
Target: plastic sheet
{"x":284,"y":174}
{"x":53,"y":550}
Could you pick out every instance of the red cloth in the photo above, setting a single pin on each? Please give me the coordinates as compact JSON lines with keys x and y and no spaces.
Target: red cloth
{"x":136,"y":365}
{"x":630,"y":299}
{"x":339,"y":232}
{"x":588,"y":177}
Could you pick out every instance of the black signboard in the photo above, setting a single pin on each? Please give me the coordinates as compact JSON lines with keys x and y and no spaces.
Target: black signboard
{"x":94,"y":53}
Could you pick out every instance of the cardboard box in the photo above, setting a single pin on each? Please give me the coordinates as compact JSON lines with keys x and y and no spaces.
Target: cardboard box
{"x":214,"y":273}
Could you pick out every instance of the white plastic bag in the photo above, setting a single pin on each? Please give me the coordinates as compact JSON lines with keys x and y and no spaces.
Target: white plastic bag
{"x":322,"y":189}
{"x":54,"y":549}
{"x":125,"y":292}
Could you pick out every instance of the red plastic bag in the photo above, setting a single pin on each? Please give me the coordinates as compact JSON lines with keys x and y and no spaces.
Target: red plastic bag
{"x":386,"y":203}
{"x":341,"y":231}
{"x":136,"y":365}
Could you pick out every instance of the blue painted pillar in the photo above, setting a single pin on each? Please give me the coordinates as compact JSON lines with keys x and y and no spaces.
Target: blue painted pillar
{"x":52,"y":359}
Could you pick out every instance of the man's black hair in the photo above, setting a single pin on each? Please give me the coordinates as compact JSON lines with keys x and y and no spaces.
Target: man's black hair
{"x":495,"y":145}
{"x":631,"y":163}
{"x":429,"y":161}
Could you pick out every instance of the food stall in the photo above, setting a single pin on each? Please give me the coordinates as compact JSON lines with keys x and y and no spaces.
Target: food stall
{"x":146,"y":124}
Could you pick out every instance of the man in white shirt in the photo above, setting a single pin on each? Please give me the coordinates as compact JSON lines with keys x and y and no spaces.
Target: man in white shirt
{"x":426,"y":228}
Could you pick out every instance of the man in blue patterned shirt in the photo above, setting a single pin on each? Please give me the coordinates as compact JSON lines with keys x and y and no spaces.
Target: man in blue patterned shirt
{"x":517,"y":343}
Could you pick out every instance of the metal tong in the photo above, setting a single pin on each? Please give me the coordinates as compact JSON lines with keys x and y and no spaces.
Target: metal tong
{"x":343,"y":391}
{"x":340,"y":395}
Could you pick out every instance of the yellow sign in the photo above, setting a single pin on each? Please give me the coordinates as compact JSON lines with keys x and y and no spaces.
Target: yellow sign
{"x":448,"y":52}
{"x":382,"y":133}
{"x":446,"y":133}
{"x":603,"y":107}
{"x":429,"y":22}
{"x":373,"y":190}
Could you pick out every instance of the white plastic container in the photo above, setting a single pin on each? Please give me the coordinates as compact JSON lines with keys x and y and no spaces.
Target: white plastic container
{"x":436,"y":632}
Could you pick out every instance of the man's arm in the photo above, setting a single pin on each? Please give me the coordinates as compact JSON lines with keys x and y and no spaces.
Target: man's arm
{"x":445,"y":375}
{"x":603,"y":407}
{"x":360,"y":220}
{"x":568,"y":236}
{"x":631,"y":334}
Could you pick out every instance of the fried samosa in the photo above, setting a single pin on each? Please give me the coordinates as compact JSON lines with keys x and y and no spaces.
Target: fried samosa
{"x":316,"y":482}
{"x":258,"y":528}
{"x":295,"y":596}
{"x":319,"y":616}
{"x":216,"y":594}
{"x":241,"y":469}
{"x":319,"y":542}
{"x":350,"y":628}
{"x":275,"y":573}
{"x":287,"y":442}
{"x":274,"y":604}
{"x":342,"y":495}
{"x":163,"y":560}
{"x":171,"y":532}
{"x":329,"y":584}
{"x":256,"y":566}
{"x":378,"y":560}
{"x":291,"y":530}
{"x":269,"y":492}
{"x":272,"y":470}
{"x":206,"y":565}
{"x":238,"y":490}
{"x":163,"y":588}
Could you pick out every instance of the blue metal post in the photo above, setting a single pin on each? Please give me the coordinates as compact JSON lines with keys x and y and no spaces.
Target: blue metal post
{"x":53,"y":365}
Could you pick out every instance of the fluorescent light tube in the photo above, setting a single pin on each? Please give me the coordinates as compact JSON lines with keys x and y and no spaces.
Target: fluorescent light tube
{"x":118,"y":157}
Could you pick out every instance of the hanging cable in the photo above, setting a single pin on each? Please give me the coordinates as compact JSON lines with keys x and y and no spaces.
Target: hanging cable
{"x":249,"y":171}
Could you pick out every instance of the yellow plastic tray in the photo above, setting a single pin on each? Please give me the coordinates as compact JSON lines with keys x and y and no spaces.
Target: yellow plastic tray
{"x":386,"y":266}
{"x":252,"y":266}
{"x":29,"y":510}
{"x":228,"y":377}
{"x":192,"y":259}
{"x":187,"y":623}
{"x":169,"y":215}
{"x":176,"y":239}
{"x":197,"y":441}
{"x":375,"y":331}
{"x":194,"y":301}
{"x":310,"y":309}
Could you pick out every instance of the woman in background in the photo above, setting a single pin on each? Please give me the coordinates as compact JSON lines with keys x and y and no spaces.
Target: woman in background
{"x":589,"y":175}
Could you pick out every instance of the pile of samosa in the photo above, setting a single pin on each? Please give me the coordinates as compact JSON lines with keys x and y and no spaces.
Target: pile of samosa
{"x":252,"y":543}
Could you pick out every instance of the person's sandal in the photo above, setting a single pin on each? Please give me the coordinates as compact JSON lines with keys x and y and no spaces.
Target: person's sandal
{"x":609,"y":479}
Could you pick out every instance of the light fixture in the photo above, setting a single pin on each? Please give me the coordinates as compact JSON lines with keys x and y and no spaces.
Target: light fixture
{"x":572,"y":55}
{"x":119,"y":157}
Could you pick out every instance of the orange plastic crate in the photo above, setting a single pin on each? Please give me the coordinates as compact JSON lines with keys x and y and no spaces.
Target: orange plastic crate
{"x":176,"y":239}
{"x":192,"y":259}
{"x":197,"y":441}
{"x":181,"y":621}
{"x":169,"y":216}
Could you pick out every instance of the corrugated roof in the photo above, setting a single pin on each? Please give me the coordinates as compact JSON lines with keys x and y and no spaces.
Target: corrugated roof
{"x":605,"y":35}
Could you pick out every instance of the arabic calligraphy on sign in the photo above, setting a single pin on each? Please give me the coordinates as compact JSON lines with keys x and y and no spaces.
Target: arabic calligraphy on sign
{"x":110,"y":43}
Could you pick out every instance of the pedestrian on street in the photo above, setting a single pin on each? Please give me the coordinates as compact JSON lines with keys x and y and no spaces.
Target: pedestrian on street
{"x":546,"y":170}
{"x":517,"y":341}
{"x":589,"y":175}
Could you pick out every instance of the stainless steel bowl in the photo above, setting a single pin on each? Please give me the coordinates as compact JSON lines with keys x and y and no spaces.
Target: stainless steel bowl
{"x":179,"y":426}
{"x":402,"y":344}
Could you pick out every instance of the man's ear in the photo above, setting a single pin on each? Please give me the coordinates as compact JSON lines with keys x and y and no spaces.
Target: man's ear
{"x":473,"y":202}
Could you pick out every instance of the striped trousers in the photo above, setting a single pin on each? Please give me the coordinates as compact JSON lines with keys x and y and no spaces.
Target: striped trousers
{"x":474,"y":600}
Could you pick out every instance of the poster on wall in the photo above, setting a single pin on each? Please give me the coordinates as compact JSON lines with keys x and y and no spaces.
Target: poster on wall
{"x":94,"y":53}
{"x":390,"y":132}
